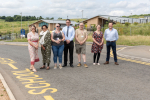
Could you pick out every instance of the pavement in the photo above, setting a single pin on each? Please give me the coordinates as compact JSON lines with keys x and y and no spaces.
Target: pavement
{"x":141,"y":53}
{"x":14,"y":43}
{"x":128,"y":81}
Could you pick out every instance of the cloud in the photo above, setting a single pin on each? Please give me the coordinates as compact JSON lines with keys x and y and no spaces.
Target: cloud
{"x":121,"y":4}
{"x":137,"y":5}
{"x":117,"y":13}
{"x":72,"y":8}
{"x":10,"y":4}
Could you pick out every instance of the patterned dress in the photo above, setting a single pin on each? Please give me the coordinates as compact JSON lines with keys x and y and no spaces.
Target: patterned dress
{"x":46,"y":54}
{"x":96,"y":48}
{"x":34,"y":38}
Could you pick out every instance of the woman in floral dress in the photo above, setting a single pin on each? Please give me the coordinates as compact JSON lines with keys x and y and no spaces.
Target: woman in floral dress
{"x":33,"y":40}
{"x":97,"y":45}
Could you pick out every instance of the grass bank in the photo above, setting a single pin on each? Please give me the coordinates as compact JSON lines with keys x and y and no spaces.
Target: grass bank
{"x":19,"y":40}
{"x":130,"y":40}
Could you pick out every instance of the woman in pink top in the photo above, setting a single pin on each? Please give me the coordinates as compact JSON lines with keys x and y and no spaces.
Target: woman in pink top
{"x":33,"y":40}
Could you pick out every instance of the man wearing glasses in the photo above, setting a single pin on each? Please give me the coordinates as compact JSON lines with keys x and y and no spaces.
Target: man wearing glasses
{"x":80,"y":43}
{"x":68,"y":43}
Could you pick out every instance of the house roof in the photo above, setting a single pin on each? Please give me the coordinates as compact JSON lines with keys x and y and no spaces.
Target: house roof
{"x":54,"y":21}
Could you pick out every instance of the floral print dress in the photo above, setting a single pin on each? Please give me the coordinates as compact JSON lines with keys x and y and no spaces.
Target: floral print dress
{"x":96,"y":48}
{"x":34,"y":38}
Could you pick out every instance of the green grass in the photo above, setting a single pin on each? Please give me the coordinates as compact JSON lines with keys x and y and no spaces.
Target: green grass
{"x":137,"y":16}
{"x":129,"y":40}
{"x":140,"y":29}
{"x":19,"y":40}
{"x":13,"y":27}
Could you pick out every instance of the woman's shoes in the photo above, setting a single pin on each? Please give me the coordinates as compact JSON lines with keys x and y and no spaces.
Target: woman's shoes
{"x":55,"y":67}
{"x":31,"y":68}
{"x":96,"y":64}
{"x":48,"y":68}
{"x":43,"y":67}
{"x":34,"y":70}
{"x":60,"y":67}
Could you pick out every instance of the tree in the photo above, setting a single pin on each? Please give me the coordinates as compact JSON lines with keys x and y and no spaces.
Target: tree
{"x":52,"y":18}
{"x":59,"y":18}
{"x":47,"y":18}
{"x":9,"y":19}
{"x":40,"y":17}
{"x":3,"y":17}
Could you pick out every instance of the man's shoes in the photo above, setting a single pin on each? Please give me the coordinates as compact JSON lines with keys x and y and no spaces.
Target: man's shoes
{"x":107,"y":62}
{"x":85,"y":65}
{"x":79,"y":65}
{"x":64,"y":65}
{"x":116,"y":63}
{"x":71,"y":66}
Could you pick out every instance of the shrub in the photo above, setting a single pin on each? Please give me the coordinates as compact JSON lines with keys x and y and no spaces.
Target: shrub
{"x":135,"y":23}
{"x":127,"y":24}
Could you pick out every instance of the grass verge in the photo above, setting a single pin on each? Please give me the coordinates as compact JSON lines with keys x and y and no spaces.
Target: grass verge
{"x":19,"y":40}
{"x":130,"y":40}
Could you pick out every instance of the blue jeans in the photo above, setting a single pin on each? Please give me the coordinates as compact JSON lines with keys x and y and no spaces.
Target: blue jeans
{"x":113,"y":45}
{"x":58,"y":51}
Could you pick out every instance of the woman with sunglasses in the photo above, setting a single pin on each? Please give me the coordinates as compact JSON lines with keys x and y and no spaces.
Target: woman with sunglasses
{"x":33,"y":40}
{"x":45,"y":46}
{"x":57,"y":38}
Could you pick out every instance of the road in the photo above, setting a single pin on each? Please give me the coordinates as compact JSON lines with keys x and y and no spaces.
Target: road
{"x":128,"y":81}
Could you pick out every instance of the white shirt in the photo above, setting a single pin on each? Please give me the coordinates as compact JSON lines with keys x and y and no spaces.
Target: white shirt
{"x":71,"y":33}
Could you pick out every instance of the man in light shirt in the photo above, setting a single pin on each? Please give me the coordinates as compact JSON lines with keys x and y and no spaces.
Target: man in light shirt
{"x":111,"y":36}
{"x":69,"y":33}
{"x":80,"y":43}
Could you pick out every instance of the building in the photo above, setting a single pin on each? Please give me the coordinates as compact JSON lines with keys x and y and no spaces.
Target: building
{"x":51,"y":24}
{"x":103,"y":19}
{"x":95,"y":21}
{"x":147,"y":17}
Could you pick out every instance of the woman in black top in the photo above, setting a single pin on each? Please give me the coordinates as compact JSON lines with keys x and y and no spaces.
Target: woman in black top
{"x":57,"y":38}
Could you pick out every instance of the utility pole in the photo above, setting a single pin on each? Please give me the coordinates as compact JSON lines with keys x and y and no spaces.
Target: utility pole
{"x":21,"y":20}
{"x":67,"y":17}
{"x":82,"y":14}
{"x":131,"y":17}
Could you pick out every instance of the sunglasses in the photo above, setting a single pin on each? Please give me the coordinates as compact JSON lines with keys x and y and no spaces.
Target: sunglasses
{"x":57,"y":26}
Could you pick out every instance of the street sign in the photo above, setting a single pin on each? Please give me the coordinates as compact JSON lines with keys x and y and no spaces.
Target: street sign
{"x":22,"y":32}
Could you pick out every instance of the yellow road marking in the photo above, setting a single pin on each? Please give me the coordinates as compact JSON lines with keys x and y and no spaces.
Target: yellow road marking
{"x":8,"y":62}
{"x":25,"y":75}
{"x":130,"y":60}
{"x":48,"y":98}
{"x":12,"y":66}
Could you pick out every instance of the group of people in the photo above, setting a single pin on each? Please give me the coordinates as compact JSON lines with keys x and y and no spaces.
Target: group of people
{"x":63,"y":41}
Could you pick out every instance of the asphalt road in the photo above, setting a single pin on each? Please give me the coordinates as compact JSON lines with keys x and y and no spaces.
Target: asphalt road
{"x":128,"y":81}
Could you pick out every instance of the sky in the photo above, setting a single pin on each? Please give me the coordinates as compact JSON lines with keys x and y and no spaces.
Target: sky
{"x":72,"y":8}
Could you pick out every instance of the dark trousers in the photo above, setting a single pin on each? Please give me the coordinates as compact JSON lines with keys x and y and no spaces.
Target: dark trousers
{"x":113,"y":45}
{"x":69,"y":47}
